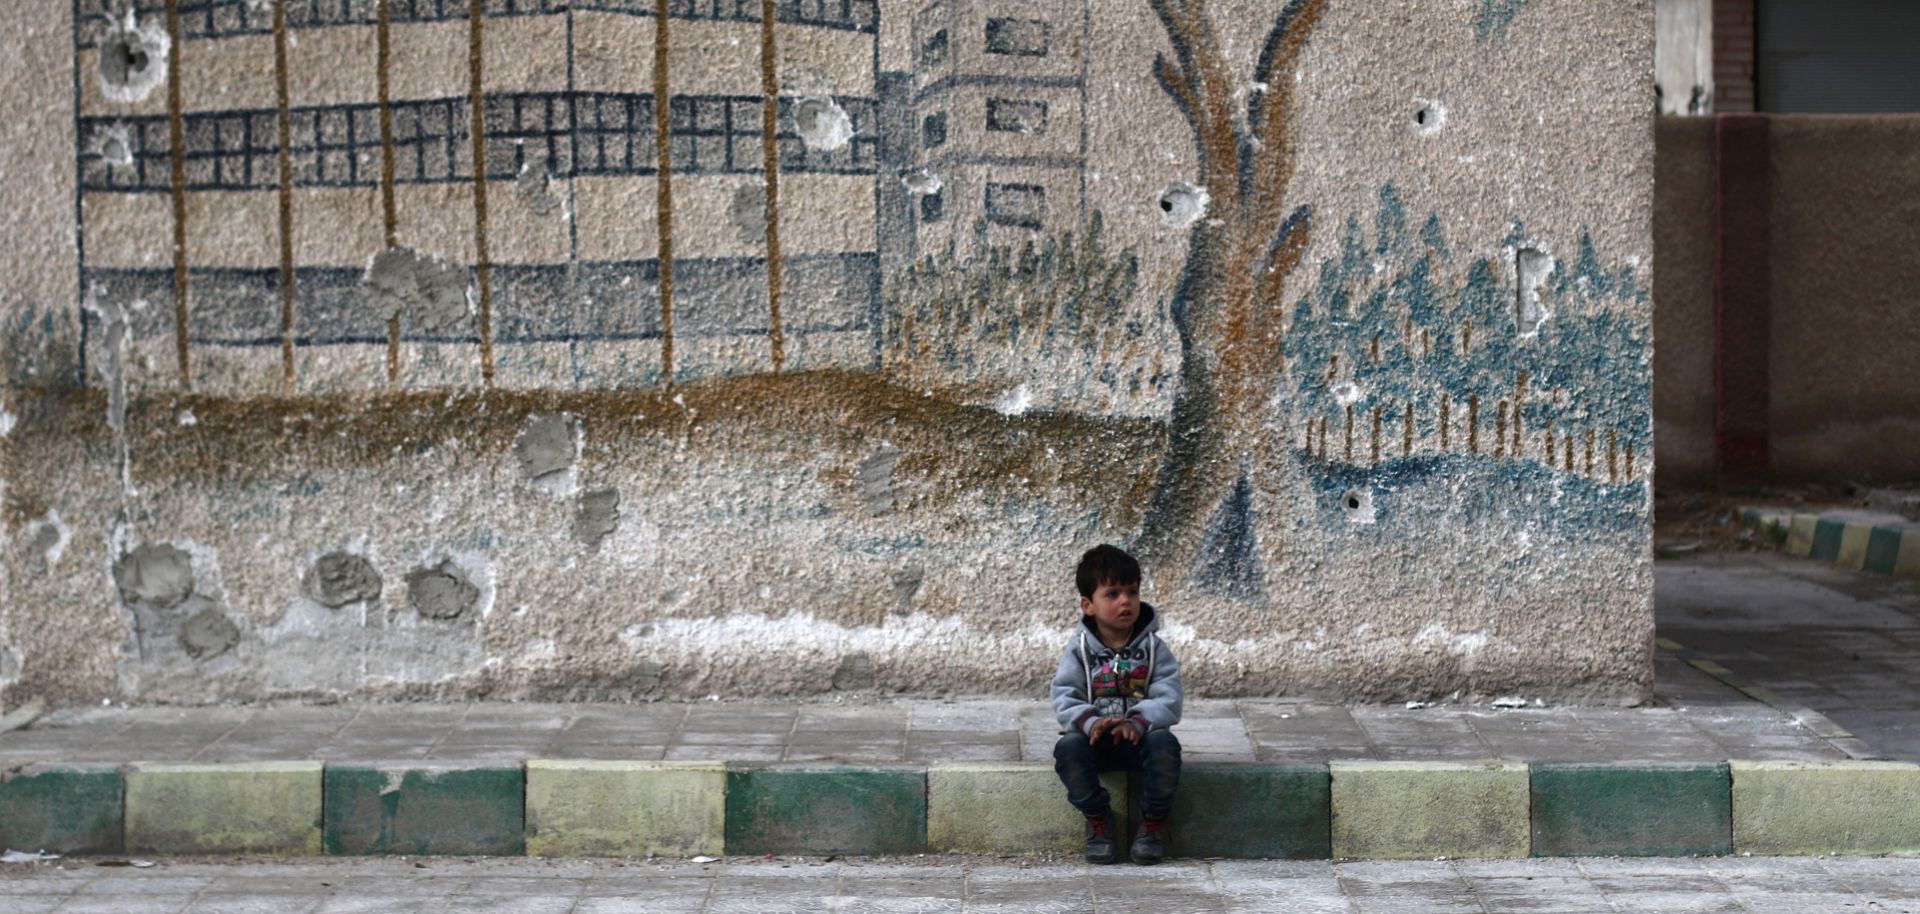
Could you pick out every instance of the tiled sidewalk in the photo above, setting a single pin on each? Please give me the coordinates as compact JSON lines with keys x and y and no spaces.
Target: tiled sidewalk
{"x":905,"y":730}
{"x":1653,"y":885}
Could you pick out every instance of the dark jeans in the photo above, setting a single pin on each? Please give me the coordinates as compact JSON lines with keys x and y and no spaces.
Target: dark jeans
{"x":1079,"y":764}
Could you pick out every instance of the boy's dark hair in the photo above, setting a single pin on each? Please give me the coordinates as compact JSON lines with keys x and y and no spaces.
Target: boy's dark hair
{"x":1104,"y":564}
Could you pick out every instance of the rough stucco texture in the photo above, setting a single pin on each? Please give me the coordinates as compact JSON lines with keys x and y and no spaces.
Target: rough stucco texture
{"x":1342,"y":322}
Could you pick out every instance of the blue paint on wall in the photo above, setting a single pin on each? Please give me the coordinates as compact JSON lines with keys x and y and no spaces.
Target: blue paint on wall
{"x":1397,"y":318}
{"x":1494,"y":16}
{"x":1228,"y":560}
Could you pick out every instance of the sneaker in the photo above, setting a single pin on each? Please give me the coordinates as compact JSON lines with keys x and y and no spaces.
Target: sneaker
{"x":1102,"y":839}
{"x":1149,"y":844}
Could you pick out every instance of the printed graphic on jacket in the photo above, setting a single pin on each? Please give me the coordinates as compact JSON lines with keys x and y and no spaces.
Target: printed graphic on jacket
{"x":1119,"y":675}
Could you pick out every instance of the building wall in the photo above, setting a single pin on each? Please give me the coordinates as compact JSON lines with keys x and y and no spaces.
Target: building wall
{"x":1367,"y":385}
{"x":1685,"y":242}
{"x":1842,"y":399}
{"x":1735,"y":56}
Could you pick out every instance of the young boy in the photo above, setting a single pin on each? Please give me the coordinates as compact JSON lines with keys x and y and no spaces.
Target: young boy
{"x":1116,"y":693}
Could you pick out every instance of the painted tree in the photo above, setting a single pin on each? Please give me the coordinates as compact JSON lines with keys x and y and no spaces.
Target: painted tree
{"x":1227,"y":307}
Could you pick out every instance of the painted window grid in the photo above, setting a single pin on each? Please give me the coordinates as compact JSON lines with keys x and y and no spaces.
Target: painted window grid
{"x":201,"y":19}
{"x":1017,"y":115}
{"x":339,"y":146}
{"x":1017,"y":205}
{"x":1018,"y":37}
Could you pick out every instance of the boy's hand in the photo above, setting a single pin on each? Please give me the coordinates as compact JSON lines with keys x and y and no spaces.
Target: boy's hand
{"x":1121,"y":728}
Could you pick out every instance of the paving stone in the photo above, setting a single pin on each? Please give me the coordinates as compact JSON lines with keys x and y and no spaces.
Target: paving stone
{"x":245,"y":808}
{"x":1852,"y":807}
{"x":1007,"y":808}
{"x":810,"y":809}
{"x":1643,"y":810}
{"x":403,"y":809}
{"x":62,"y":809}
{"x":625,"y":808}
{"x":1397,"y":810}
{"x":1252,"y":810}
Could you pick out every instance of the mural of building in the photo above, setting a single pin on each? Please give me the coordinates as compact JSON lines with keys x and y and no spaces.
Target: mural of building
{"x":634,"y":348}
{"x":565,"y":245}
{"x":999,"y":96}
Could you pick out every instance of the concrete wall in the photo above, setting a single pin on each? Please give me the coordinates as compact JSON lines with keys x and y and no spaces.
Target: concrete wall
{"x":1844,"y":401}
{"x":1341,"y":321}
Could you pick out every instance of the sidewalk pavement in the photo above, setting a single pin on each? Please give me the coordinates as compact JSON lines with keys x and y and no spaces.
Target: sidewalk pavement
{"x":974,"y":885}
{"x":1800,"y":633}
{"x":902,"y":731}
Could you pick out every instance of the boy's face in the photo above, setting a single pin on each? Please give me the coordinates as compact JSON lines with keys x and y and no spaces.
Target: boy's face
{"x":1114,"y":607}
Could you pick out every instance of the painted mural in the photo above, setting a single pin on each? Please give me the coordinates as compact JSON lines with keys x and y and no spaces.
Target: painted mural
{"x":725,"y":346}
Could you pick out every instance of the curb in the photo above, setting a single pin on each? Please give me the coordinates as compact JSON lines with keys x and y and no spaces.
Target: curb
{"x":1856,"y":540}
{"x":1817,"y":723}
{"x":1342,"y":809}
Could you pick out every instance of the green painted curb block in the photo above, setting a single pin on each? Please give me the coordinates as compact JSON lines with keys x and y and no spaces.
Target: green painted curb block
{"x":1256,"y":810}
{"x":1883,"y":549}
{"x":1409,"y":810}
{"x":1849,"y":807}
{"x":1826,"y":539}
{"x":827,"y":810}
{"x":1631,"y":810}
{"x":249,"y":808}
{"x":625,"y":809}
{"x":62,"y":809}
{"x":1007,"y":808}
{"x":405,"y":809}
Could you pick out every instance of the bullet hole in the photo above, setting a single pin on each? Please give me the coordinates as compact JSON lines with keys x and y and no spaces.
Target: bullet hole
{"x":49,"y":537}
{"x":1347,"y":393}
{"x":1532,"y":267}
{"x":132,"y":60}
{"x":1357,"y":505}
{"x":876,"y":479}
{"x":442,"y":592}
{"x":921,"y":182}
{"x":855,"y":674}
{"x":548,"y":445}
{"x":596,"y":516}
{"x":428,"y":293}
{"x":1181,"y":204}
{"x":823,"y":125}
{"x":113,"y":145}
{"x":1428,"y":116}
{"x":208,"y":634}
{"x":906,"y":585}
{"x":748,"y":213}
{"x":156,"y":575}
{"x":340,"y":578}
{"x":537,"y":185}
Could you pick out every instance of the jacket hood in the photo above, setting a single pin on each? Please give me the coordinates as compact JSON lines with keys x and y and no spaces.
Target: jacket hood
{"x":1147,"y":624}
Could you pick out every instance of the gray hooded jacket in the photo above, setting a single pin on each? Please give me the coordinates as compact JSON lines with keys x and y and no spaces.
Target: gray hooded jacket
{"x":1140,"y":682}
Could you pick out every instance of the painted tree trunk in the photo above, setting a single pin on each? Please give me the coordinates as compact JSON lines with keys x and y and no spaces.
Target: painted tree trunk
{"x":1228,"y":305}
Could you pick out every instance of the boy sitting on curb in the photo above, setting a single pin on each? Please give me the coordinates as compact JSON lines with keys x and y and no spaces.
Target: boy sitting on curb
{"x":1116,"y":694}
